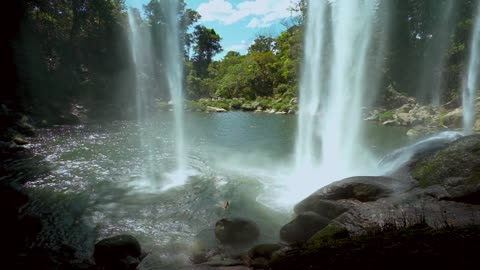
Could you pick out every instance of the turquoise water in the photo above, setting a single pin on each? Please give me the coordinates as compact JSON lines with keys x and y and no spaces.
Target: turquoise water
{"x":99,"y":184}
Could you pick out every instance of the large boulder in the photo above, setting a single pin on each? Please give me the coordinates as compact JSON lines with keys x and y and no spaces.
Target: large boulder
{"x":121,"y":252}
{"x":456,"y":168}
{"x":236,"y":232}
{"x":361,"y":188}
{"x":453,"y":119}
{"x":304,"y":226}
{"x":317,"y":204}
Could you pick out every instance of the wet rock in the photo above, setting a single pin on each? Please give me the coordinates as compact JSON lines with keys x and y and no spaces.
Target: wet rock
{"x":456,"y":168}
{"x":260,"y":255}
{"x":304,"y":226}
{"x":215,"y":109}
{"x":316,"y":203}
{"x":361,"y":188}
{"x":118,"y":253}
{"x":18,"y":140}
{"x":330,"y":233}
{"x":236,"y":232}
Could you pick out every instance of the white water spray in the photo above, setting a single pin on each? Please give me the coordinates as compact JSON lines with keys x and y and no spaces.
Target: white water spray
{"x":340,"y":74}
{"x":141,"y":54}
{"x":174,"y":62}
{"x":469,"y":91}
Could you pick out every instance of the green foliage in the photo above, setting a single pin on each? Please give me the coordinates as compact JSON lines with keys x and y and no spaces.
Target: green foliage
{"x":384,"y":116}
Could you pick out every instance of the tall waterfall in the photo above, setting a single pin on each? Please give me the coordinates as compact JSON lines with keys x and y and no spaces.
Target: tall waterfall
{"x":174,"y":73}
{"x":141,"y":55}
{"x":340,"y":74}
{"x":471,"y":85}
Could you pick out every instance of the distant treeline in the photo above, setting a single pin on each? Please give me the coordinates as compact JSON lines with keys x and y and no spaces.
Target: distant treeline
{"x":62,"y":52}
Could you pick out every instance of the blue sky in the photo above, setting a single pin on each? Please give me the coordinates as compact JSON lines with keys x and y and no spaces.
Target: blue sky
{"x":238,"y":22}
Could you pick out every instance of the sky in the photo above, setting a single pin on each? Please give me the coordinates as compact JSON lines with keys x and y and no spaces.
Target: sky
{"x":238,"y":22}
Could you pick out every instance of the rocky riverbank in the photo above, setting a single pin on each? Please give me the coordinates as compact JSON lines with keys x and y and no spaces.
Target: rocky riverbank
{"x":267,"y":105}
{"x":401,"y":110}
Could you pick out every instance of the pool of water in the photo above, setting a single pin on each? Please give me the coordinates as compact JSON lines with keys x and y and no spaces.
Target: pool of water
{"x":110,"y":178}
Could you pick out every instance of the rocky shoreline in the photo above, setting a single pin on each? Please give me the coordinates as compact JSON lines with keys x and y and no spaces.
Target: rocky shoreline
{"x":430,"y":199}
{"x":401,"y":110}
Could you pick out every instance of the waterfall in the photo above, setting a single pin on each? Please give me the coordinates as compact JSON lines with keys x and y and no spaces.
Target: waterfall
{"x":173,"y":57}
{"x":340,"y":74}
{"x":171,"y":67}
{"x":431,"y":76}
{"x":143,"y":66}
{"x":471,"y":85}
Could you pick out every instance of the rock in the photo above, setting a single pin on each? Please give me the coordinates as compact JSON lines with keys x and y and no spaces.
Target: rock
{"x":456,"y":168}
{"x":271,"y":111}
{"x":255,"y":104}
{"x":374,"y":116}
{"x":394,"y":99}
{"x":118,"y":253}
{"x":304,"y":226}
{"x":420,"y":130}
{"x":404,"y":119}
{"x":263,"y":251}
{"x":330,"y":233}
{"x":24,"y":127}
{"x":453,"y":119}
{"x":247,"y":107}
{"x":389,"y":123}
{"x":215,"y":109}
{"x":224,"y":262}
{"x":20,"y":140}
{"x":361,"y":188}
{"x":319,"y":205}
{"x":236,"y":232}
{"x":259,"y":108}
{"x":280,"y":113}
{"x":294,"y":101}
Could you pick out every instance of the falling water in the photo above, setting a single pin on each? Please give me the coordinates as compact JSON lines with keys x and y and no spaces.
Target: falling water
{"x":469,"y":91}
{"x":141,"y":49}
{"x":340,"y":73}
{"x":435,"y":54}
{"x":174,"y":57}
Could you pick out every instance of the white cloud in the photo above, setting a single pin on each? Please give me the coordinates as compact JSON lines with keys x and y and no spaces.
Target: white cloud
{"x":264,"y":12}
{"x":242,"y":47}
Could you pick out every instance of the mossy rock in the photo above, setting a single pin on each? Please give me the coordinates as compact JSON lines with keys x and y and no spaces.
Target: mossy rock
{"x":302,"y":227}
{"x":263,"y":251}
{"x":361,"y":188}
{"x":330,"y":233}
{"x":456,"y":168}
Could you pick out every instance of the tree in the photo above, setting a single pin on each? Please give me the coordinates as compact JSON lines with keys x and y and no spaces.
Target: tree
{"x":262,"y":44}
{"x":207,"y":45}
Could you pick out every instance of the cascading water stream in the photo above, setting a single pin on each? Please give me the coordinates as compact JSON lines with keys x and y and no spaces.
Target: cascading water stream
{"x":343,"y":56}
{"x":470,"y":89}
{"x":174,"y":74}
{"x":143,"y":67}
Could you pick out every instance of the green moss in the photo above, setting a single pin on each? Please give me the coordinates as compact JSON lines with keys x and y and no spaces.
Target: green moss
{"x":384,"y":116}
{"x":418,"y":244}
{"x":328,"y":234}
